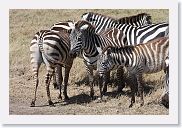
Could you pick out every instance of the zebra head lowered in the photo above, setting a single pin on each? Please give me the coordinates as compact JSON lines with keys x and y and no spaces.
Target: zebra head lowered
{"x":107,"y":60}
{"x":78,"y":38}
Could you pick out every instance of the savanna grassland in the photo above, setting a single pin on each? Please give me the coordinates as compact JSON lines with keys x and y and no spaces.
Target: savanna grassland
{"x":23,"y":24}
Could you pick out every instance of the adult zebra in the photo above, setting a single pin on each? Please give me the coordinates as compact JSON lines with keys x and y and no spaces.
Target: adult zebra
{"x":83,"y":36}
{"x":150,"y":57}
{"x":135,"y":35}
{"x":52,"y":48}
{"x":138,"y":20}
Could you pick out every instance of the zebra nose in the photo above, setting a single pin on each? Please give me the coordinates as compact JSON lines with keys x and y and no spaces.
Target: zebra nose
{"x":73,"y":55}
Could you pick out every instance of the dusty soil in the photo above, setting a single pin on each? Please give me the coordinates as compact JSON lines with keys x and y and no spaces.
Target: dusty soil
{"x":23,"y":25}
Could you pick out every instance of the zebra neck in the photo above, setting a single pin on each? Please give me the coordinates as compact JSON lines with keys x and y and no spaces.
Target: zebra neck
{"x":90,"y":44}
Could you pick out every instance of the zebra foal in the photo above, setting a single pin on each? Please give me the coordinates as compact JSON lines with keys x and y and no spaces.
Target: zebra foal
{"x":52,"y":48}
{"x":150,"y":57}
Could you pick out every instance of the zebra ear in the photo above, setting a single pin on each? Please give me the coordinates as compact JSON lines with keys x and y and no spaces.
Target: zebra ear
{"x":84,"y":27}
{"x":72,"y":25}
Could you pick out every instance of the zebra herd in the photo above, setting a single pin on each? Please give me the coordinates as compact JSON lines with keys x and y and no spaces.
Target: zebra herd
{"x":104,"y":43}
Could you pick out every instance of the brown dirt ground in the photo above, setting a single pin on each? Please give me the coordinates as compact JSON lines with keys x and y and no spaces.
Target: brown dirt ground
{"x":23,"y":25}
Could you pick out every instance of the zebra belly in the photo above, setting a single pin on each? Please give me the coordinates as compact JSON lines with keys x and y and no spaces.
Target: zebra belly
{"x":153,"y":68}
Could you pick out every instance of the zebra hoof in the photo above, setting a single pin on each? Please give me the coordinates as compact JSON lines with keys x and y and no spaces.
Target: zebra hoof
{"x":131,"y":105}
{"x":56,"y":87}
{"x":165,"y":100}
{"x":32,"y":104}
{"x":60,"y":97}
{"x":104,"y":90}
{"x":120,"y":90}
{"x":66,"y":98}
{"x":51,"y":104}
{"x":141,"y":104}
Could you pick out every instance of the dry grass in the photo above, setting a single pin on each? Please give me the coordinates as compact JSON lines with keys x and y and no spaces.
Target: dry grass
{"x":23,"y":25}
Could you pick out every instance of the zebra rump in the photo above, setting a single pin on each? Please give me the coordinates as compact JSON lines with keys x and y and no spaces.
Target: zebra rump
{"x":52,"y":48}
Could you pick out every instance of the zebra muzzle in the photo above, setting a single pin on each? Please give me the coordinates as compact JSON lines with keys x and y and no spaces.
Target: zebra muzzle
{"x":72,"y":55}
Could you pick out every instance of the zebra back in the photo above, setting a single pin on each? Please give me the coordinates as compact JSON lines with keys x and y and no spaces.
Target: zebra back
{"x":62,"y":26}
{"x":143,"y":58}
{"x":141,"y":19}
{"x":135,"y":35}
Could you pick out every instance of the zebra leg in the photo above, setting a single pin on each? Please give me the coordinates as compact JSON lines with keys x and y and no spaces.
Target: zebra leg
{"x":100,"y":86}
{"x":59,"y":79}
{"x":50,"y":71}
{"x":120,"y":80}
{"x":91,"y":80}
{"x":66,"y":78}
{"x":89,"y":69}
{"x":36,"y":82}
{"x":133,"y":90}
{"x":105,"y":81}
{"x":164,"y":99}
{"x":54,"y":81}
{"x":140,"y":88}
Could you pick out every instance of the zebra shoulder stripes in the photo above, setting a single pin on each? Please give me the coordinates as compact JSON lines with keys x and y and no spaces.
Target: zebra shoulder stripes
{"x":83,"y":36}
{"x":141,"y":19}
{"x":135,"y":35}
{"x":143,"y":58}
{"x":52,"y":48}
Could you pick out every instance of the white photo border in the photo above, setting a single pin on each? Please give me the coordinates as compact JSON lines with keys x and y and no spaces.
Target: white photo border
{"x":173,"y":116}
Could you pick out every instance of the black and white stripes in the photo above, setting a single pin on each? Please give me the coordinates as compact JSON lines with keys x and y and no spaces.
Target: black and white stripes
{"x":83,"y":36}
{"x":138,"y":20}
{"x":135,"y":35}
{"x":150,"y":57}
{"x":52,"y":48}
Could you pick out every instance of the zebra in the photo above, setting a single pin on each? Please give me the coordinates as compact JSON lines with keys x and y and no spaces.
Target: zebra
{"x":149,"y":57}
{"x":141,"y":19}
{"x":134,"y":35}
{"x":83,"y":36}
{"x":52,"y":48}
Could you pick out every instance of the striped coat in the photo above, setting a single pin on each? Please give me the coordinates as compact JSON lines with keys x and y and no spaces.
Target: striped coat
{"x":150,"y":57}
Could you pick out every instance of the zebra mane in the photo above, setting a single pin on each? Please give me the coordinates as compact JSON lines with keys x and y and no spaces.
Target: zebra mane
{"x":134,"y":18}
{"x":117,"y":49}
{"x":90,"y":14}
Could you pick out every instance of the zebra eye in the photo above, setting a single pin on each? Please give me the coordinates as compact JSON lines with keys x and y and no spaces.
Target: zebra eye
{"x":79,"y":38}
